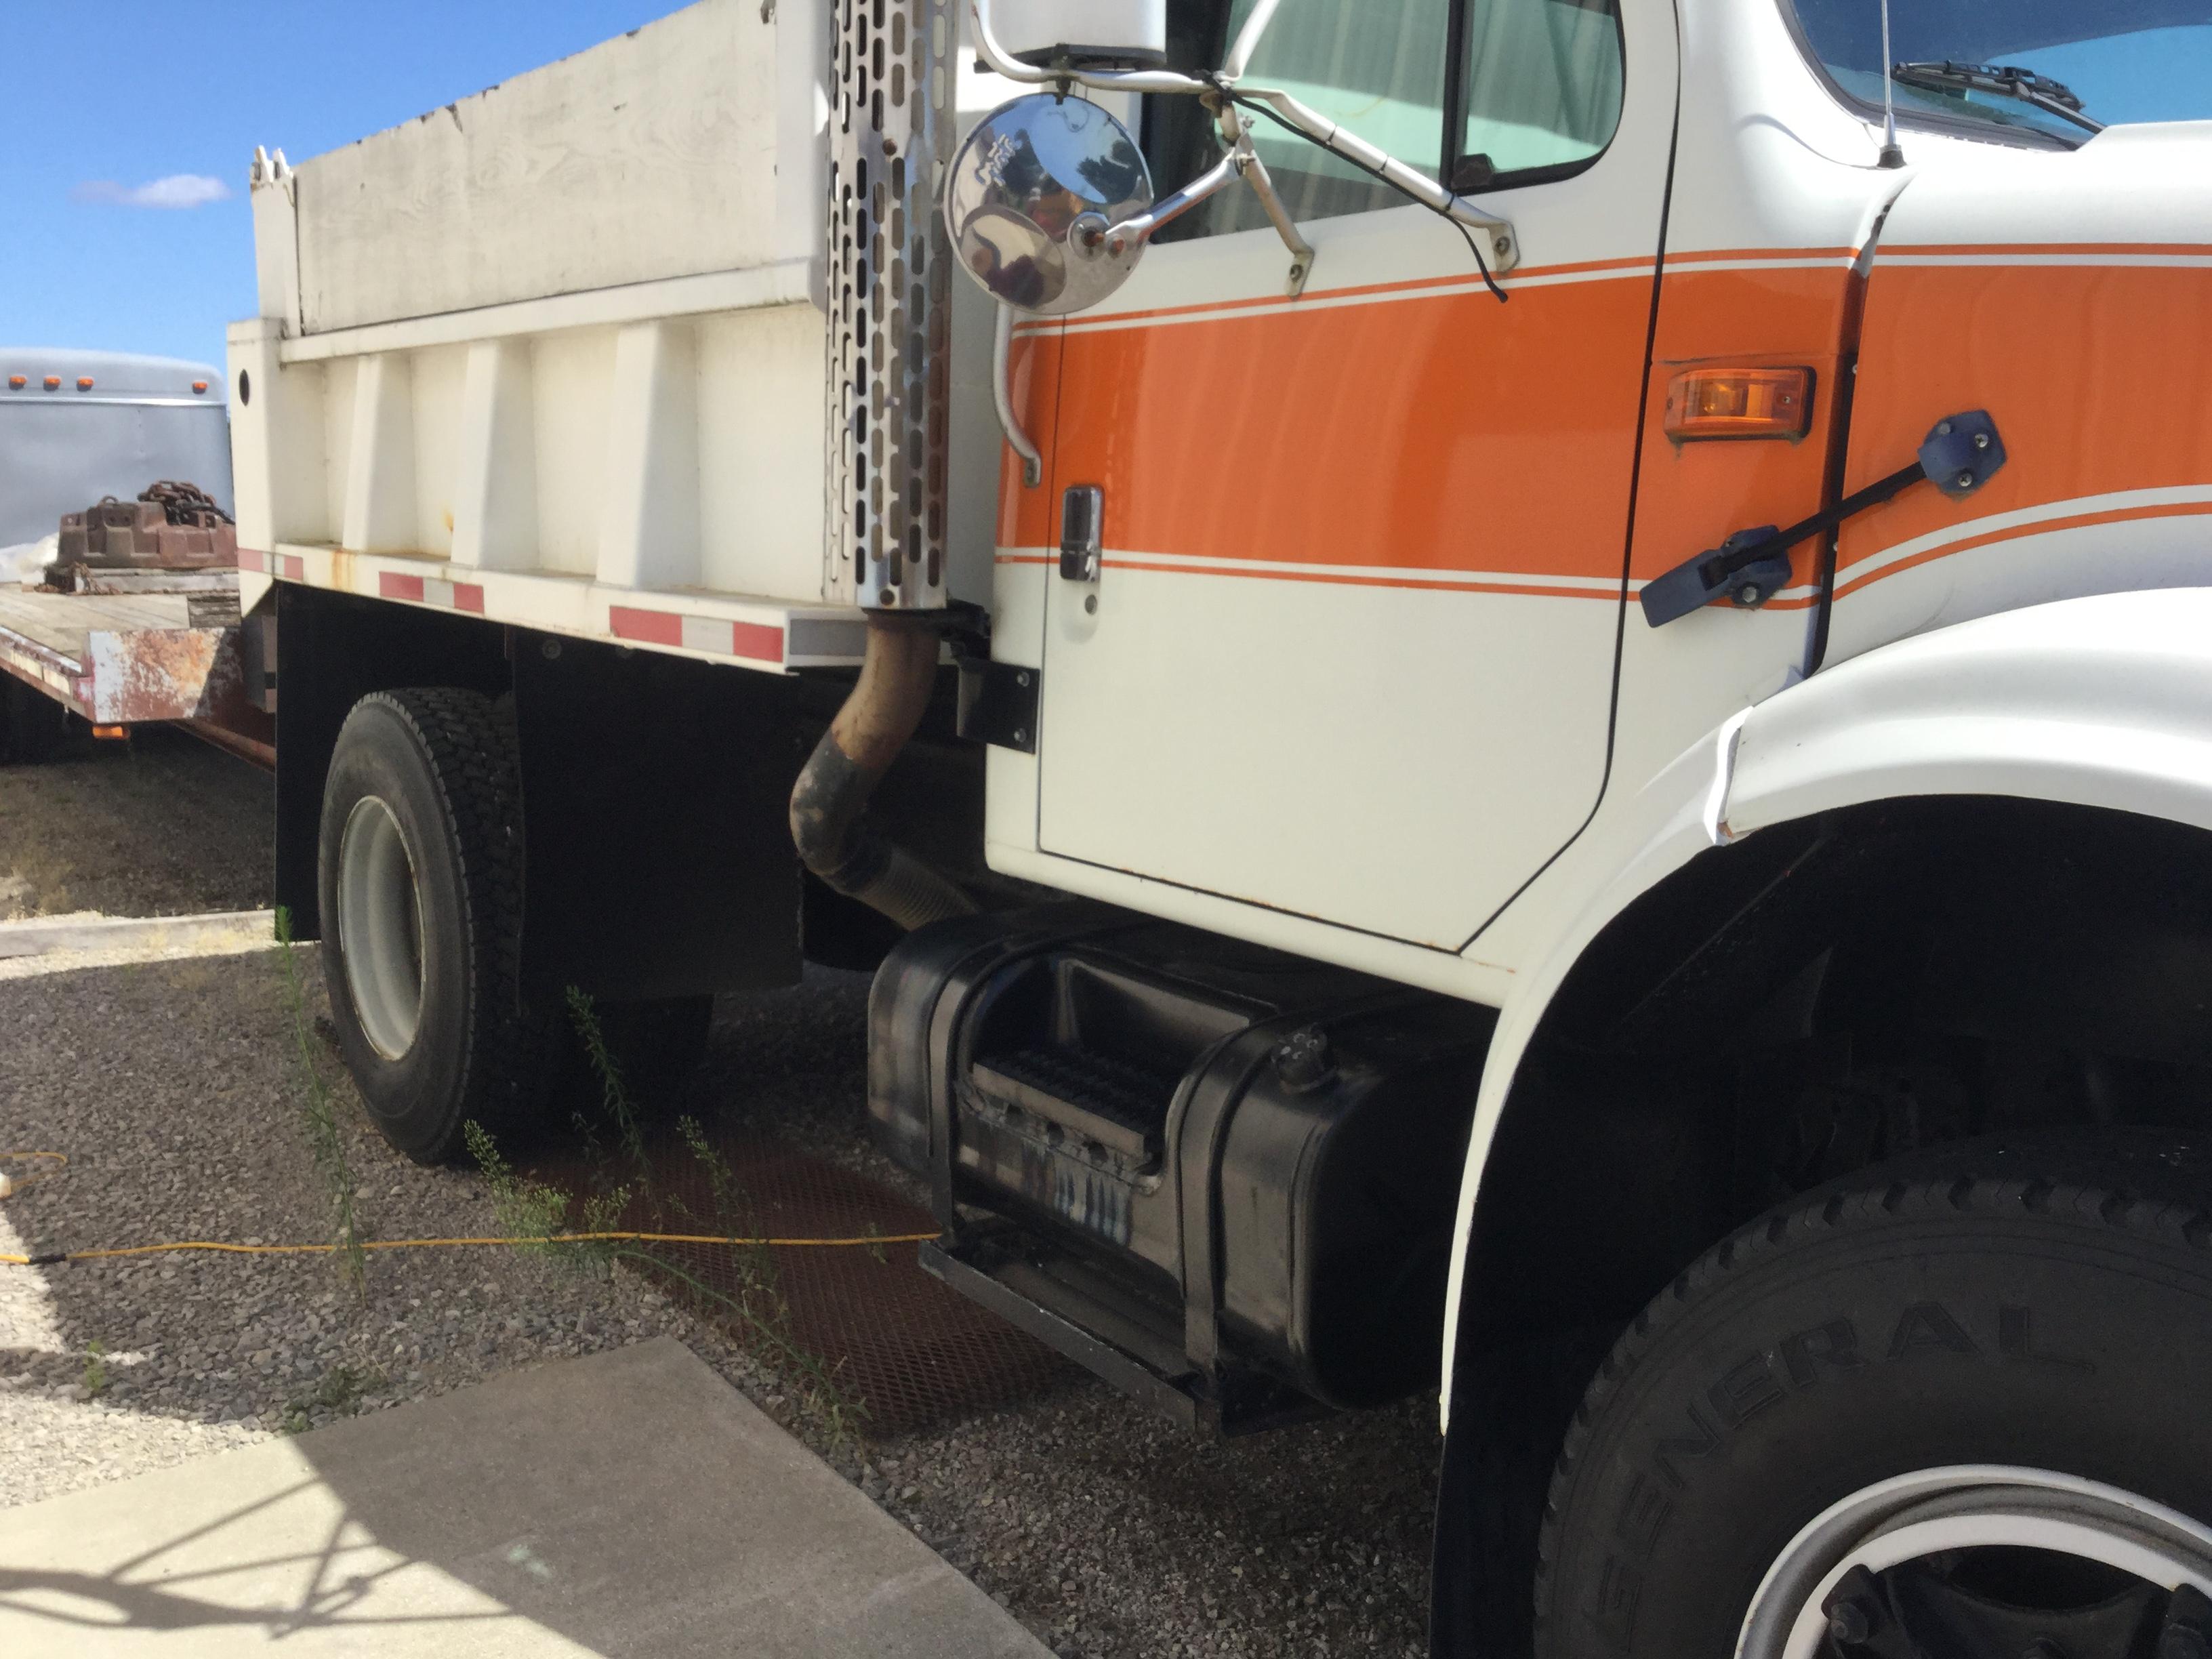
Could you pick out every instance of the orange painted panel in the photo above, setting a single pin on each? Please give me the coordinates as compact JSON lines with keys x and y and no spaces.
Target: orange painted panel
{"x":2095,"y":375}
{"x":1693,"y":496}
{"x":1432,"y":432}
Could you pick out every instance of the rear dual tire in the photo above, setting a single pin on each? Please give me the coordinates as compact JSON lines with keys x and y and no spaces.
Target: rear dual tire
{"x":421,"y":892}
{"x":421,"y":885}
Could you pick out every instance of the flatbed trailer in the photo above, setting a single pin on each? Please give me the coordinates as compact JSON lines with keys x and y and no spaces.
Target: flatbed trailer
{"x":125,"y":659}
{"x":119,"y":645}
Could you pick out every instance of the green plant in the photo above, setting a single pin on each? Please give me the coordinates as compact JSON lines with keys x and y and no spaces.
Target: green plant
{"x":339,"y":1389}
{"x":319,"y":1116}
{"x":614,"y":1093}
{"x":526,"y":1209}
{"x":95,"y":1368}
{"x":538,"y":1211}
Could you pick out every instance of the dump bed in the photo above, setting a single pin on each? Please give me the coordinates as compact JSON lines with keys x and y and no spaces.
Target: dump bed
{"x":554,"y":354}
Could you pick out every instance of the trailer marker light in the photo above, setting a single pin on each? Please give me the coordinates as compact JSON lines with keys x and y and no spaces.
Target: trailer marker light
{"x":111,"y":733}
{"x":15,"y":383}
{"x":84,"y":383}
{"x":53,"y":383}
{"x":1739,"y":403}
{"x":200,"y":385}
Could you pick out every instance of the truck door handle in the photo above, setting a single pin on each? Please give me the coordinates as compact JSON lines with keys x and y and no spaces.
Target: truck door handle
{"x":1082,"y":532}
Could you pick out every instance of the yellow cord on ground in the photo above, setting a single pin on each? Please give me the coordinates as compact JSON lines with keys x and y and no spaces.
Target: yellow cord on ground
{"x":61,"y":1159}
{"x":10,"y":1186}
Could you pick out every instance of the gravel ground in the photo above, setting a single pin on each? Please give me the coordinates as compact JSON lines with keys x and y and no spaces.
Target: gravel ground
{"x":173,"y":1087}
{"x":163,"y":826}
{"x":173,"y":1084}
{"x":1110,"y":1531}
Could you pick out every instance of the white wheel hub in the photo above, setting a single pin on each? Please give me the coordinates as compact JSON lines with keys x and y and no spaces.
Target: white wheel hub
{"x":380,"y":925}
{"x":1846,"y":1572}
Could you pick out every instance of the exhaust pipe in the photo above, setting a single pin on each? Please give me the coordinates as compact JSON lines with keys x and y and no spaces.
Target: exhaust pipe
{"x":829,"y":801}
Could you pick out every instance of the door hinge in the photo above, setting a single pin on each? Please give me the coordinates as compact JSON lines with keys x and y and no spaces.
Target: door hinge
{"x":999,"y":703}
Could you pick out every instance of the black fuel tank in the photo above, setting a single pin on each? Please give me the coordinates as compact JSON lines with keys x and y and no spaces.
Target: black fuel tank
{"x":1218,"y":1161}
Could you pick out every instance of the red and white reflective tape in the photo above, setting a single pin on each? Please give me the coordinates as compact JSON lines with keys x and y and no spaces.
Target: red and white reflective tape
{"x":713,"y":635}
{"x":426,"y":590}
{"x":288,"y":566}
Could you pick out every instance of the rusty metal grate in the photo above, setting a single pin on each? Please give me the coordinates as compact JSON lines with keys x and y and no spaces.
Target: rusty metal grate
{"x":909,"y":1352}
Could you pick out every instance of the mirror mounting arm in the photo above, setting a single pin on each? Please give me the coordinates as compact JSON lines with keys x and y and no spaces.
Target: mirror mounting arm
{"x":1255,"y":170}
{"x":1002,"y":392}
{"x":1504,"y":247}
{"x":1120,"y":240}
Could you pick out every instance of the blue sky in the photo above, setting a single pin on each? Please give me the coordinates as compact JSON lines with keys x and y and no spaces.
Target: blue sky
{"x":109,"y":108}
{"x":105,"y":98}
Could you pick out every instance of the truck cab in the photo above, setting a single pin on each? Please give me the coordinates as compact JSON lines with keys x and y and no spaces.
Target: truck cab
{"x":1515,"y":702}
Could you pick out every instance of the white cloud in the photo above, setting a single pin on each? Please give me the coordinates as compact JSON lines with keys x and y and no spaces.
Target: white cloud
{"x":178,"y":189}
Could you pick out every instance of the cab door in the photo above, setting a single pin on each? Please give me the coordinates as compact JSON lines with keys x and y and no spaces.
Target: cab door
{"x":1348,"y":651}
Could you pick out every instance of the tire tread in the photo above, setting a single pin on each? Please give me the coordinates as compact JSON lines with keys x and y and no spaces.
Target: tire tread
{"x":1939,"y":1183}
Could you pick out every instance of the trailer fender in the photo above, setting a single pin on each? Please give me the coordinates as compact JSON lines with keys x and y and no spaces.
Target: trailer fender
{"x":2097,"y":701}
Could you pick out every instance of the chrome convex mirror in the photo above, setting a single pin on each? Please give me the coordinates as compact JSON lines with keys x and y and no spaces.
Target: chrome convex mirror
{"x":1033,"y":192}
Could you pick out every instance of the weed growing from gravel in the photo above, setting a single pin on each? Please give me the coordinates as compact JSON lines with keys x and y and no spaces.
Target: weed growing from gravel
{"x":318,"y":1115}
{"x":95,"y":1368}
{"x":340,"y":1389}
{"x":756,"y":1300}
{"x":526,"y":1209}
{"x":614,"y":1093}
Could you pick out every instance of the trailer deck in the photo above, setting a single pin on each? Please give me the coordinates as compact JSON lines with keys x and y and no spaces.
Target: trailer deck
{"x":123,"y":660}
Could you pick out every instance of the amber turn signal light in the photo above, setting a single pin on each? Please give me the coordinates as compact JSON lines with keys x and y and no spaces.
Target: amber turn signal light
{"x":111,"y":734}
{"x":1739,"y":403}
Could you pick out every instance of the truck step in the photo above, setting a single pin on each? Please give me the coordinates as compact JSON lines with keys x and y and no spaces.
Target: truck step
{"x":1081,"y":1315}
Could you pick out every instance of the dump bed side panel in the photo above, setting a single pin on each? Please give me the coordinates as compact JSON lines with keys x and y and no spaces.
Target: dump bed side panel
{"x":650,"y":155}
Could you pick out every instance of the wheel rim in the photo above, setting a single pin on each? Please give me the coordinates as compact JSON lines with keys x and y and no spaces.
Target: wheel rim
{"x":1987,"y":1562}
{"x":380,"y":928}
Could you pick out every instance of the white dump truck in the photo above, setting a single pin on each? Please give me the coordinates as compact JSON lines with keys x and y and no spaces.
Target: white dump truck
{"x":1515,"y":696}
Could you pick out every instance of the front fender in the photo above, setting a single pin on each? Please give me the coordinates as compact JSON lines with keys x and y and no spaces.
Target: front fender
{"x":2104,"y":701}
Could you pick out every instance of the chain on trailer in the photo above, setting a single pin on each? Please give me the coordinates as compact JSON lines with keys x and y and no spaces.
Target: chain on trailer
{"x":890,"y":298}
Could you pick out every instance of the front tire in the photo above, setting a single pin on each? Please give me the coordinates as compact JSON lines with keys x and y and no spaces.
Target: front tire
{"x":420,"y":889}
{"x":1998,"y":1329}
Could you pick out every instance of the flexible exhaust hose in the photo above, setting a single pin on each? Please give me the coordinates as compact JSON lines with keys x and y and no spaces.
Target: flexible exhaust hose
{"x":833,"y":838}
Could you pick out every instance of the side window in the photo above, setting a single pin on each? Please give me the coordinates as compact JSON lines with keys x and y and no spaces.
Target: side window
{"x":1376,"y":67}
{"x":1541,"y":84}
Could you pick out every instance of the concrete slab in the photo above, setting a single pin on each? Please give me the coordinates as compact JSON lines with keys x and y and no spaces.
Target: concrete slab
{"x":630,"y":1502}
{"x":228,"y":930}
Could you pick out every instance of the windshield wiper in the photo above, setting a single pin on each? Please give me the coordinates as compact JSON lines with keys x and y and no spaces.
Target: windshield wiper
{"x":2006,"y":79}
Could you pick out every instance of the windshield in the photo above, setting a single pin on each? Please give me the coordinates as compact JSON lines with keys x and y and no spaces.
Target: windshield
{"x":2123,"y":60}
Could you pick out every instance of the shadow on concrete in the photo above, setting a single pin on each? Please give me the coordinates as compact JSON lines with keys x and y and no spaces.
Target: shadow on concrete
{"x":628,"y":1502}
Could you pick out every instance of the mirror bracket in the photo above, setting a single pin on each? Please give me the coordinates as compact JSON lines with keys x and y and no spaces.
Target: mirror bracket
{"x":1256,"y":173}
{"x":1123,"y":239}
{"x":1496,"y":234}
{"x":1002,"y":393}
